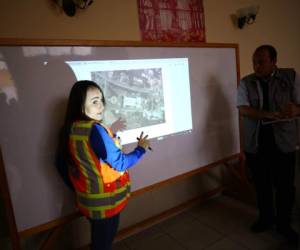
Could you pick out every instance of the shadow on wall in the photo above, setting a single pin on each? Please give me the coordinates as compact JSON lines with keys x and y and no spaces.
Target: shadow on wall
{"x":219,"y":119}
{"x":65,"y":201}
{"x":59,"y":86}
{"x":221,"y":128}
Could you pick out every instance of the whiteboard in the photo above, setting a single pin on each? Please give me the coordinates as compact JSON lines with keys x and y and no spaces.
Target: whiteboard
{"x":34,"y":86}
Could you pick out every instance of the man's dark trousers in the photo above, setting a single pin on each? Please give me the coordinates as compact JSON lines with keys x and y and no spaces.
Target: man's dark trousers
{"x":273,"y":174}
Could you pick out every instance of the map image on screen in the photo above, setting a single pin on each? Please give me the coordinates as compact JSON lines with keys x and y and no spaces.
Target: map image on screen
{"x":135,"y":93}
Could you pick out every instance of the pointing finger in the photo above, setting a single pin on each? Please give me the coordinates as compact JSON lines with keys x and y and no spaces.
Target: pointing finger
{"x":141,"y":134}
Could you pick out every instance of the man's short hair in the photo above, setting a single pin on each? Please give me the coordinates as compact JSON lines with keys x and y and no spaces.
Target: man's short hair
{"x":272,"y":51}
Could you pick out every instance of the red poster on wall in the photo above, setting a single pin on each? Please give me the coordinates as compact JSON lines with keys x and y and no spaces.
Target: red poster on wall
{"x":172,"y":20}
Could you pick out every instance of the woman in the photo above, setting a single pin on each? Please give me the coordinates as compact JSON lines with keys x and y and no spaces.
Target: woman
{"x":97,"y":166}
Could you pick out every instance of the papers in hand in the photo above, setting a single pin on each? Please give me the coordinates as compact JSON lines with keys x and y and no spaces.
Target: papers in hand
{"x":264,"y":122}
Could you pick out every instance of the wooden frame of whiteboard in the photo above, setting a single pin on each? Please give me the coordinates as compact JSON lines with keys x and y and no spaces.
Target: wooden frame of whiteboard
{"x":57,"y":224}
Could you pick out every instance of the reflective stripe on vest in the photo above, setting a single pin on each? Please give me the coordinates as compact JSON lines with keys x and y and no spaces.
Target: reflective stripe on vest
{"x":101,"y":191}
{"x":97,"y":200}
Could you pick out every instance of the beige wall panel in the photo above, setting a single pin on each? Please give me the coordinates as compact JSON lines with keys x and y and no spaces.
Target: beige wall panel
{"x":277,"y":23}
{"x":103,"y":20}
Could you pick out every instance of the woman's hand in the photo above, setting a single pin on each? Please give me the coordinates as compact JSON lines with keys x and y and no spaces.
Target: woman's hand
{"x":118,"y":125}
{"x":143,"y":141}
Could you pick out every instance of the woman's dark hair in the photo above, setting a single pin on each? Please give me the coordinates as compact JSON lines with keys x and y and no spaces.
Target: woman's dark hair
{"x":76,"y":101}
{"x":75,"y":111}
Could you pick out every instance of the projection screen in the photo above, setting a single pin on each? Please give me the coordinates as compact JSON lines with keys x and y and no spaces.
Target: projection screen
{"x":182,"y":97}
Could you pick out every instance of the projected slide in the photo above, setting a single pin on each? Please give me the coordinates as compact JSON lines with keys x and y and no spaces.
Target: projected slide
{"x":136,"y":93}
{"x":150,"y":95}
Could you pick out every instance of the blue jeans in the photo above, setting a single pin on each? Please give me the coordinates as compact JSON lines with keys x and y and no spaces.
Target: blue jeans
{"x":103,"y":232}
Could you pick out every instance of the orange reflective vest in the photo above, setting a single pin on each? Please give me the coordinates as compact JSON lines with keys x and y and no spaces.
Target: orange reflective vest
{"x":102,"y":192}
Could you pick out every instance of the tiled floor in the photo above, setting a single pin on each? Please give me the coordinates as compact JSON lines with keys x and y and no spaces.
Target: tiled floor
{"x":219,"y":224}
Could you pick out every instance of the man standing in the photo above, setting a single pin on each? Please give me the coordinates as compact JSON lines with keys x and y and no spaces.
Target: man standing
{"x":268,"y":101}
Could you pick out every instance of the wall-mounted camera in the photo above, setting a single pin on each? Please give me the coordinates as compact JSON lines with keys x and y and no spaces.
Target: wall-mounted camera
{"x":70,"y":6}
{"x":245,"y":16}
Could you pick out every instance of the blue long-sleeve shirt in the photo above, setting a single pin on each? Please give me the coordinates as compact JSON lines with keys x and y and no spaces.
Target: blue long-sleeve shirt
{"x":106,"y":150}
